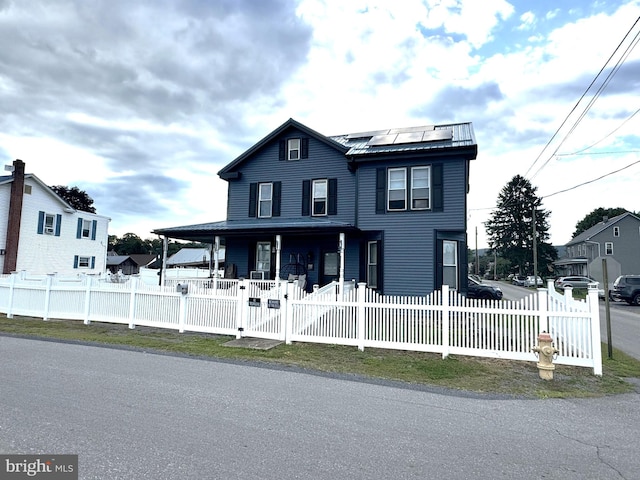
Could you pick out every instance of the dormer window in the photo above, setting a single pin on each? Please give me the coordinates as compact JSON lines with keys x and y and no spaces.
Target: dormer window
{"x":293,"y":149}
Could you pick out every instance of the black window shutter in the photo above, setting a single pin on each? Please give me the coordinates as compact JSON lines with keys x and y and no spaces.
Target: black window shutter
{"x":306,"y":197}
{"x":41,"y":222}
{"x":332,"y":208}
{"x":304,"y":148}
{"x":381,"y":190}
{"x":380,"y":273}
{"x":277,"y":192}
{"x":282,"y":152}
{"x":253,"y":199}
{"x":437,"y":189}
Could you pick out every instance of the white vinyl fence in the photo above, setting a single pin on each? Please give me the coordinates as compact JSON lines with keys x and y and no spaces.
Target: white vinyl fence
{"x":442,"y":322}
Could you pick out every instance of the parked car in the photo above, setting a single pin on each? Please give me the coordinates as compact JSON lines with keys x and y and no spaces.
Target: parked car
{"x":518,"y":280}
{"x":574,"y":282}
{"x":483,"y":291}
{"x":627,"y":288}
{"x":531,"y":282}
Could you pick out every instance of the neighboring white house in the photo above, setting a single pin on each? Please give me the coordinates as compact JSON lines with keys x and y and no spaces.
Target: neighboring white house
{"x":41,"y":233}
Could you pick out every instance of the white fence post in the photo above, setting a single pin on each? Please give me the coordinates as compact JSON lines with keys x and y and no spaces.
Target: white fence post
{"x":12,"y":284}
{"x":361,"y":315}
{"x":132,"y":303}
{"x":594,"y":317}
{"x":445,"y":320}
{"x":289,"y":313}
{"x":543,"y":310}
{"x":182,"y":315}
{"x":241,"y":307}
{"x":87,"y":301}
{"x":47,"y":297}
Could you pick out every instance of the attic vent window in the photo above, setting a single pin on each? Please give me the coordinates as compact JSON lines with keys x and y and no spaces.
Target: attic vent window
{"x":27,"y":189}
{"x":293,"y":149}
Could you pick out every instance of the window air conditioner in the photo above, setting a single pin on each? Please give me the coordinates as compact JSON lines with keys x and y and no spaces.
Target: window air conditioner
{"x":48,"y":230}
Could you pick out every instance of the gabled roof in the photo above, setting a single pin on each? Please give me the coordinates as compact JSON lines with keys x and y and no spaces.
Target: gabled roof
{"x":191,"y":256}
{"x":143,"y":259}
{"x":291,"y":123}
{"x":447,"y":138}
{"x":599,"y":227}
{"x":30,"y":176}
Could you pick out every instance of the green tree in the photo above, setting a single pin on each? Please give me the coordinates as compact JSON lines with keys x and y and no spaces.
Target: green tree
{"x":129,"y":244}
{"x":596,"y":217}
{"x":510,"y":227}
{"x":78,"y":199}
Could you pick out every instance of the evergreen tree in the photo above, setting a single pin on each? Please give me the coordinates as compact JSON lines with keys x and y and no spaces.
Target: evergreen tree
{"x":510,"y":228}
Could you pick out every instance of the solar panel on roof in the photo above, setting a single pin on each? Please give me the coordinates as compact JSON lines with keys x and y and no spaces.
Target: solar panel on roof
{"x":412,"y":129}
{"x":409,"y":137}
{"x":372,"y":133}
{"x":382,"y":140}
{"x":435,"y":135}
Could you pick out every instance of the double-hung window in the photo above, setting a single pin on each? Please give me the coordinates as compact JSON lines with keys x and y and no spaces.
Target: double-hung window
{"x":397,"y":197}
{"x":49,"y":224}
{"x":319,"y":203}
{"x":608,"y":248}
{"x":420,"y":191}
{"x":372,"y":264}
{"x":265,"y":200}
{"x":86,"y":229}
{"x":293,"y":149}
{"x":450,"y":263}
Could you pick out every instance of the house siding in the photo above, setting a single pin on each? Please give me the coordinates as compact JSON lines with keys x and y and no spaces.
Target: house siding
{"x":322,"y":162}
{"x":41,"y":253}
{"x":409,"y":245}
{"x":5,"y":195}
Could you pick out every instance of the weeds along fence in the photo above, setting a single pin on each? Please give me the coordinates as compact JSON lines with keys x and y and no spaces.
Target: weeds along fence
{"x":442,"y":322}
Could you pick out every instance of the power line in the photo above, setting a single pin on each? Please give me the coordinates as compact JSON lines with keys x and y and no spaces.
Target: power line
{"x":580,"y":100}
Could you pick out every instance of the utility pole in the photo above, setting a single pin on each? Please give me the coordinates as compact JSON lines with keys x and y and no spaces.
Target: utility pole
{"x":535,"y":249}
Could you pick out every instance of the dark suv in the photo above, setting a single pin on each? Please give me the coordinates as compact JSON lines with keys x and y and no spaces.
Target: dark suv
{"x":627,"y":288}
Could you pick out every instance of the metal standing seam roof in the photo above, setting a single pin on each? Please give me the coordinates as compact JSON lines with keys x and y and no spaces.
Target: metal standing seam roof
{"x":462,"y":137}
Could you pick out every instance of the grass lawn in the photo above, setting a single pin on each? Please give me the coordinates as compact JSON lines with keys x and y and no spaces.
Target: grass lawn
{"x":456,"y":372}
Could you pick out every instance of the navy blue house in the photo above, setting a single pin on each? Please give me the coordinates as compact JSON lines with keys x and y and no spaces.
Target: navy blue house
{"x":384,"y":207}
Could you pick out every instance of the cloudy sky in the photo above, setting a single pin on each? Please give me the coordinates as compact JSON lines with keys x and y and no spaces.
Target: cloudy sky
{"x":141,"y":103}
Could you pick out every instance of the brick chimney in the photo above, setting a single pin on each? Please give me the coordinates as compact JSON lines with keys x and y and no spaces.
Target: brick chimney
{"x":15,"y":215}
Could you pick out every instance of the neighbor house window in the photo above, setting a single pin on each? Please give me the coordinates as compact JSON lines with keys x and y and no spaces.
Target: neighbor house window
{"x":86,"y":228}
{"x":319,"y":204}
{"x":450,"y":263}
{"x":616,"y":231}
{"x":80,"y":261}
{"x":608,"y":248}
{"x":372,"y":264}
{"x":293,"y":149}
{"x":420,"y":193}
{"x":397,"y":190}
{"x":49,"y":223}
{"x":265,"y":199}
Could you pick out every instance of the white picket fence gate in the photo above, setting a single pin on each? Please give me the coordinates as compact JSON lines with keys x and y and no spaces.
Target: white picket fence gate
{"x":442,"y":322}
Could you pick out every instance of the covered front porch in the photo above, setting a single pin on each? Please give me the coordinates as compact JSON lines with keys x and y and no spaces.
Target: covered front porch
{"x":312,"y":251}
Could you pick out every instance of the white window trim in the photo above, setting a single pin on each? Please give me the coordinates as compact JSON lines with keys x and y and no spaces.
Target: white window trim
{"x":428,"y":169}
{"x":270,"y":200}
{"x":294,"y":149}
{"x":449,"y":265}
{"x":372,"y":262}
{"x":49,"y":229}
{"x":266,"y":265}
{"x":608,"y":248}
{"x":389,"y":189}
{"x":325,"y":198}
{"x":80,"y":261}
{"x":88,"y":230}
{"x":616,"y":231}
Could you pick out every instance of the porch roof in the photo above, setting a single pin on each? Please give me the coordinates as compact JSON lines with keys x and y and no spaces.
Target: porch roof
{"x":571,"y":261}
{"x":205,"y":232}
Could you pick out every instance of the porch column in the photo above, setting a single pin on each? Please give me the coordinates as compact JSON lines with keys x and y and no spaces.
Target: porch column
{"x":165,"y":250}
{"x":341,"y":249}
{"x":278,"y":248}
{"x":216,"y":256}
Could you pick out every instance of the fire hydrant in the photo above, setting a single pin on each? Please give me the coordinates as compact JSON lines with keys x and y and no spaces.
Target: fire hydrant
{"x":545,"y":351}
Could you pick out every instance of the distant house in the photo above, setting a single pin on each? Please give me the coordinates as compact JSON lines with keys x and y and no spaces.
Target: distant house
{"x":615,"y":239}
{"x":41,"y":233}
{"x":384,"y":207}
{"x":194,"y":258}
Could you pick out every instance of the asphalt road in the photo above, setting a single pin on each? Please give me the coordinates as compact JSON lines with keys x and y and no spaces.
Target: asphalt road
{"x":625,"y":319}
{"x":135,"y":415}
